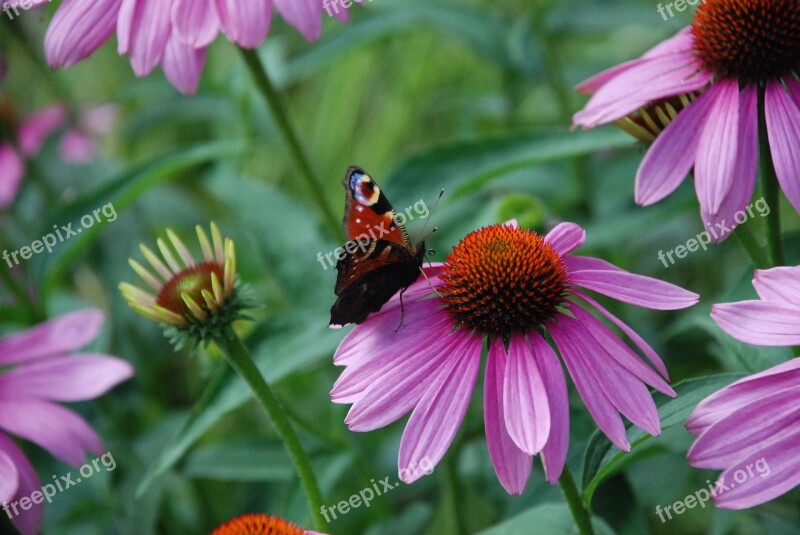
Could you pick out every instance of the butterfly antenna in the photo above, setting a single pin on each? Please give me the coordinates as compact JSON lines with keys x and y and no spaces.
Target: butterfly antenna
{"x":429,"y":217}
{"x":427,"y":279}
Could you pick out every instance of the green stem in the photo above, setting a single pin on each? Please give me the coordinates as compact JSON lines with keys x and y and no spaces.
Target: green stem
{"x":288,"y":134}
{"x":748,"y":240}
{"x":583,"y":519}
{"x":769,"y":182}
{"x":239,"y":357}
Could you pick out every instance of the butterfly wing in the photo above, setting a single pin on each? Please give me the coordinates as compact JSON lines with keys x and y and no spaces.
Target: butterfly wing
{"x":368,"y":212}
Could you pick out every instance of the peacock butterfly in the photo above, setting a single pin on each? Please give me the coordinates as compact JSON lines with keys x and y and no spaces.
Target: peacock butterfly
{"x":379,"y":259}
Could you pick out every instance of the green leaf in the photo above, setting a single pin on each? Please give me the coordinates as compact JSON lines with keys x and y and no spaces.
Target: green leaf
{"x":249,"y":461}
{"x":602,"y":458}
{"x":549,"y":518}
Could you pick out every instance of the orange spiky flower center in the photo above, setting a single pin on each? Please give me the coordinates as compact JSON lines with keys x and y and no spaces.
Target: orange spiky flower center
{"x":258,"y":524}
{"x":191,"y":281}
{"x":501,"y":280}
{"x":751,"y":40}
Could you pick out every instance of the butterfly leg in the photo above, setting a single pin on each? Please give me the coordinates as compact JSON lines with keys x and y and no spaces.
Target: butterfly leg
{"x":402,"y":310}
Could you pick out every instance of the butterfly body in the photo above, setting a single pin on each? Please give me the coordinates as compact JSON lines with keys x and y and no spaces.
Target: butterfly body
{"x":379,"y":259}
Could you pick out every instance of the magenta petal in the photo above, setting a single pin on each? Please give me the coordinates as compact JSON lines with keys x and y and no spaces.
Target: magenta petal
{"x":670,"y":158}
{"x":27,"y":522}
{"x":435,"y":421}
{"x":183,"y":65}
{"x":780,"y":284}
{"x":35,"y":130}
{"x":593,"y":395}
{"x":246,"y":24}
{"x":51,"y":338}
{"x":566,"y":237}
{"x":12,"y":170}
{"x":525,"y":405}
{"x":512,"y":465}
{"x":73,"y":378}
{"x":76,"y":147}
{"x":9,"y":478}
{"x":60,"y":431}
{"x":554,"y":454}
{"x":635,"y":289}
{"x":143,"y":31}
{"x":783,"y":129}
{"x":195,"y":23}
{"x":305,"y":15}
{"x":78,"y":28}
{"x":759,"y":322}
{"x":580,"y":263}
{"x":779,"y":465}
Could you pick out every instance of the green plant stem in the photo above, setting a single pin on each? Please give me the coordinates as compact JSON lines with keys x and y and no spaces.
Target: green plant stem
{"x":239,"y":357}
{"x":288,"y":134}
{"x":769,"y":183}
{"x":748,"y":240}
{"x":583,"y":519}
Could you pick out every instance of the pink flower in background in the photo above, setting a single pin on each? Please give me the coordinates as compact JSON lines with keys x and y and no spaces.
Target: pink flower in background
{"x":38,"y":370}
{"x":172,"y":33}
{"x":509,"y":286}
{"x":697,"y":97}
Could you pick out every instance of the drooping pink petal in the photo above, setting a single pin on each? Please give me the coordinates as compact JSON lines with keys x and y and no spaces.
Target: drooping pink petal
{"x":554,"y":454}
{"x":566,"y":237}
{"x":635,"y":289}
{"x":183,"y":65}
{"x":746,"y":430}
{"x":783,"y":129}
{"x":648,"y":351}
{"x":77,"y":29}
{"x":305,"y":15}
{"x":715,"y":164}
{"x":759,"y":322}
{"x":435,"y":421}
{"x":512,"y":465}
{"x":245,"y":24}
{"x":525,"y":405}
{"x":27,"y":522}
{"x":775,"y":469}
{"x":35,"y":130}
{"x":143,"y":29}
{"x":73,"y":378}
{"x":9,"y":478}
{"x":671,"y":156}
{"x":52,"y":338}
{"x":12,"y":170}
{"x":593,"y":395}
{"x":195,"y":23}
{"x":76,"y":147}
{"x":779,"y":284}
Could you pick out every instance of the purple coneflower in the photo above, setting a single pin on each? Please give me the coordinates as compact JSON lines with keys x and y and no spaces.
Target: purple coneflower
{"x":173,"y":33}
{"x":516,"y":290}
{"x":261,"y":524}
{"x":698,"y":96}
{"x":37,"y":370}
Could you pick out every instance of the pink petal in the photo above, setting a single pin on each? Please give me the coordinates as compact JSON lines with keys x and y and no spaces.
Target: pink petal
{"x":245,"y":24}
{"x":12,"y":170}
{"x":759,"y":322}
{"x":305,"y":15}
{"x":512,"y":465}
{"x":9,"y":478}
{"x":76,"y":147}
{"x":525,"y":405}
{"x":60,"y":431}
{"x":35,"y":130}
{"x":783,"y":129}
{"x":780,"y":284}
{"x":143,"y":29}
{"x":670,"y":158}
{"x":435,"y":421}
{"x":52,"y":338}
{"x":183,"y":65}
{"x":635,"y":289}
{"x":195,"y":22}
{"x":566,"y":237}
{"x":554,"y":454}
{"x":73,"y":378}
{"x":715,"y":164}
{"x":78,"y":28}
{"x":27,"y":522}
{"x":580,"y":263}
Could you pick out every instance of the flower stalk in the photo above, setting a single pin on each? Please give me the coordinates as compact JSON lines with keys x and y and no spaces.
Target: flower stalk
{"x":583,"y":518}
{"x":769,"y":183}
